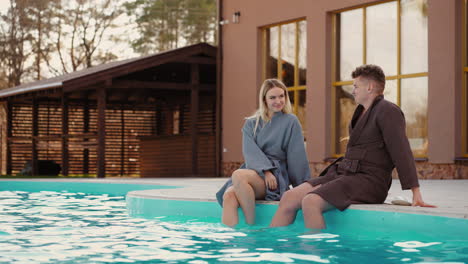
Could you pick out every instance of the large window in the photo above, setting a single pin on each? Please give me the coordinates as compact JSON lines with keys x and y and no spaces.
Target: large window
{"x":465,"y":80}
{"x":284,"y":58}
{"x":392,"y":35}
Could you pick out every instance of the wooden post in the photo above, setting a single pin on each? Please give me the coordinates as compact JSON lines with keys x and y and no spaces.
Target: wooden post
{"x":3,"y":137}
{"x":85,"y":131}
{"x":158,"y":125}
{"x":35,"y":133}
{"x":194,"y":117}
{"x":65,"y":154}
{"x":122,"y":140}
{"x":101,"y":150}
{"x":9,"y":165}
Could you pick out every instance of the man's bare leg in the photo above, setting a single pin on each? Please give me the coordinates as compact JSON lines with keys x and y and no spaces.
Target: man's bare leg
{"x":248,"y":186}
{"x":290,"y":203}
{"x":313,"y":207}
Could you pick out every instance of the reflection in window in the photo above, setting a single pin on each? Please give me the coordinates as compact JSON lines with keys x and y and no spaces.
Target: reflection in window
{"x":413,"y":36}
{"x":350,"y":31}
{"x":370,"y":35}
{"x":272,"y":53}
{"x":414,"y":106}
{"x":391,"y":91}
{"x":291,"y":96}
{"x":302,"y":52}
{"x":288,"y":56}
{"x":301,"y":108}
{"x":344,"y":108}
{"x":381,"y":36}
{"x":285,"y":59}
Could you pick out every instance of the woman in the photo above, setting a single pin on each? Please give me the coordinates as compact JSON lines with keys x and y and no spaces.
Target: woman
{"x":274,"y":154}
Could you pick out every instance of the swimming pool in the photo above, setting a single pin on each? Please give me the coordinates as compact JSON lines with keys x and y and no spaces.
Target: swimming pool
{"x":91,"y":224}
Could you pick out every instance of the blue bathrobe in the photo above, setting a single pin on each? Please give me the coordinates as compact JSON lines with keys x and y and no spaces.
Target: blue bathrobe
{"x":278,"y":146}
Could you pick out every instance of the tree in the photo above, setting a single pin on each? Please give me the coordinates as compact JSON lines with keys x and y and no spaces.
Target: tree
{"x":80,"y":32}
{"x":168,"y":24}
{"x":15,"y":27}
{"x":42,"y":14}
{"x":199,"y":23}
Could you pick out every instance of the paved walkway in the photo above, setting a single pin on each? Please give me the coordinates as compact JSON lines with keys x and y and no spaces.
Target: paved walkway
{"x":450,"y":196}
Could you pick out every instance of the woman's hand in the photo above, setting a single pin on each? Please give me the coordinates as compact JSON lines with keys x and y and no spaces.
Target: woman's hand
{"x":270,"y":180}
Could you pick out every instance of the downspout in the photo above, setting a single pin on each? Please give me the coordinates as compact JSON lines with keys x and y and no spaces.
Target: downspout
{"x":219,"y":90}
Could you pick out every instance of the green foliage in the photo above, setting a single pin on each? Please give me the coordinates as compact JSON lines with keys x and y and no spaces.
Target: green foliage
{"x":42,"y":38}
{"x":169,"y":24}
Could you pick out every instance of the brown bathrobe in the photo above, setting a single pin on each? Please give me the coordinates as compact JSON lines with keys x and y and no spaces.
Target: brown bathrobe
{"x":377,"y":144}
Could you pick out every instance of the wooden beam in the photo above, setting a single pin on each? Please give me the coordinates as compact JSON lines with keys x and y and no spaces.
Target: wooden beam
{"x":34,"y":133}
{"x":86,"y":130}
{"x":198,"y":60}
{"x":3,"y":139}
{"x":139,"y":65}
{"x":194,"y":116}
{"x":101,"y":151}
{"x":122,"y":141}
{"x":92,"y":85}
{"x":158,"y":130}
{"x":135,"y":84}
{"x":65,"y":153}
{"x":181,"y":119}
{"x":9,"y":164}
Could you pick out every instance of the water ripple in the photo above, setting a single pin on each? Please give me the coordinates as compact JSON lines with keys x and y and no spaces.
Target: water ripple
{"x":63,"y":227}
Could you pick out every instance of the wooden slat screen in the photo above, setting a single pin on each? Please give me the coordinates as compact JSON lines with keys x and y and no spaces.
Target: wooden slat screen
{"x":21,"y":142}
{"x":170,"y":156}
{"x":123,"y":125}
{"x":49,"y":141}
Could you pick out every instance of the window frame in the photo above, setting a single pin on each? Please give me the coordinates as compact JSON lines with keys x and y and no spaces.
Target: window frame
{"x":336,"y":83}
{"x":296,"y":88}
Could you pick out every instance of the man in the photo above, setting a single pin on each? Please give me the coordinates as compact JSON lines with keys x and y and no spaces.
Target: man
{"x":377,"y":144}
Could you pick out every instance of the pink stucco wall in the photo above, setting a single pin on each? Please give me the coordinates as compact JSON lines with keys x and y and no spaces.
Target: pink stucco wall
{"x":242,"y":70}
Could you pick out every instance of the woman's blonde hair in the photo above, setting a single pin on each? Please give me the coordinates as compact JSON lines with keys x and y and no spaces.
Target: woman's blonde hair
{"x":262,"y":111}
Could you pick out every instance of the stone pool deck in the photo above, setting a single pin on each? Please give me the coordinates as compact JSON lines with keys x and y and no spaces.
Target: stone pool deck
{"x":450,"y":196}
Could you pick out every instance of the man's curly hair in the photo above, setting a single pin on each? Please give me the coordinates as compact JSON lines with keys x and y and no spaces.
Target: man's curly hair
{"x":371,"y":72}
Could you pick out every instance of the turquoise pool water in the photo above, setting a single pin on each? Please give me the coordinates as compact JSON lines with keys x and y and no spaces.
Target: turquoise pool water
{"x":57,"y":225}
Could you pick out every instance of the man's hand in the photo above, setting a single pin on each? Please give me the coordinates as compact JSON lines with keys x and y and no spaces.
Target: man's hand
{"x":417,"y":199}
{"x":270,"y":180}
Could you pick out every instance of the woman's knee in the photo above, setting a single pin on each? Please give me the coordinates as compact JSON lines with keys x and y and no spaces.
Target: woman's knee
{"x":230,"y":197}
{"x":239,"y":177}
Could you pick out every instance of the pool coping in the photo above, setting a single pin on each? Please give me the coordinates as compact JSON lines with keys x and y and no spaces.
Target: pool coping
{"x":449,"y":195}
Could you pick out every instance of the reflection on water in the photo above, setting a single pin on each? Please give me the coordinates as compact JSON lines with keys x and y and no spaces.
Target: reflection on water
{"x":53,"y":227}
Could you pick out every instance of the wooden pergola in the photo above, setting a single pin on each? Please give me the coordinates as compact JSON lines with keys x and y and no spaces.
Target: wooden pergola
{"x":93,"y":121}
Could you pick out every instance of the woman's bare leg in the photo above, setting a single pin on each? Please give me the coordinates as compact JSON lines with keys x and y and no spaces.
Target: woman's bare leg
{"x":230,"y":216}
{"x":313,"y":207}
{"x":248,"y":186}
{"x":290,"y":203}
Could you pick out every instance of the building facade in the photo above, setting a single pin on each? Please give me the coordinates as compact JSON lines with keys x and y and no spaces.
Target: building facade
{"x":313,"y":46}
